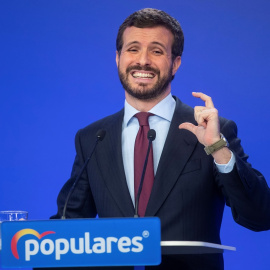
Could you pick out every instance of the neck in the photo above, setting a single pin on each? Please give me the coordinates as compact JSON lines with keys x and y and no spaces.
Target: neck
{"x":145,"y":105}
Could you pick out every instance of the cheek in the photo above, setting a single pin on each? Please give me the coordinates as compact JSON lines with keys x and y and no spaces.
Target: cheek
{"x":123,"y":63}
{"x":125,"y":57}
{"x":165,"y":67}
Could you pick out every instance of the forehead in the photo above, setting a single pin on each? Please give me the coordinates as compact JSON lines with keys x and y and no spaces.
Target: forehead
{"x":146,"y":36}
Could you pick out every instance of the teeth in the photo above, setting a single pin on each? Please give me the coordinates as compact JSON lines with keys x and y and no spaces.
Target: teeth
{"x":142,"y":75}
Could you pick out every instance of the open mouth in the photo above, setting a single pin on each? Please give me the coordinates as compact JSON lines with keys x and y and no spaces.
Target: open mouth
{"x":143,"y":75}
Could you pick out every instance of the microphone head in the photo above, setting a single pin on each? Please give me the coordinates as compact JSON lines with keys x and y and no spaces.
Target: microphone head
{"x":100,"y":134}
{"x":151,"y":135}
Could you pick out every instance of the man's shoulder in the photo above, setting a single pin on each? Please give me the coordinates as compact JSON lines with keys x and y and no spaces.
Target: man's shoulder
{"x":182,"y":106}
{"x":105,"y":123}
{"x":183,"y":112}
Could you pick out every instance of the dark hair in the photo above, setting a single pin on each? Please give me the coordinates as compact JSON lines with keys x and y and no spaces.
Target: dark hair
{"x":149,"y":17}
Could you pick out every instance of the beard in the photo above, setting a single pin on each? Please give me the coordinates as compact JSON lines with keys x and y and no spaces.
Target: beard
{"x":141,"y":92}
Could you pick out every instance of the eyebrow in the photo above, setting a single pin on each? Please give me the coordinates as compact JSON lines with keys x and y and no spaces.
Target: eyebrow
{"x":160,"y":44}
{"x":154,"y":43}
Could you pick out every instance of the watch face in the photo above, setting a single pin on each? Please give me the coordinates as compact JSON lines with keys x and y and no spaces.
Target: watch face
{"x":224,"y":139}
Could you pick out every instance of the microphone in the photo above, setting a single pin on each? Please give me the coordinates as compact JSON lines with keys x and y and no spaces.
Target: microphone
{"x":99,"y":137}
{"x":151,"y":135}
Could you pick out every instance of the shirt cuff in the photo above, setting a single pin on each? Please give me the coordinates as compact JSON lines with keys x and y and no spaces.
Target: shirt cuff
{"x":226,"y":168}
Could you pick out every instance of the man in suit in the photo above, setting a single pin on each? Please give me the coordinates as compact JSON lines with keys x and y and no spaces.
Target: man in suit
{"x":190,"y":186}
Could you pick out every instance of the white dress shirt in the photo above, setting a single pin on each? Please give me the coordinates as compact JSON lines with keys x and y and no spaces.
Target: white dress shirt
{"x":160,"y":122}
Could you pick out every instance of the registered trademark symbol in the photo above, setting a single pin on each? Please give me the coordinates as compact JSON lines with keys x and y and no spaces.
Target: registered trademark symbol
{"x":145,"y":234}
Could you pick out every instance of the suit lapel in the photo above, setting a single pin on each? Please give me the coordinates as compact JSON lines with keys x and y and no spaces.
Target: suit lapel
{"x":178,"y":148}
{"x":110,"y":162}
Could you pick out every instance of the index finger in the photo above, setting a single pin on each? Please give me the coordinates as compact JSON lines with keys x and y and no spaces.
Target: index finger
{"x":208,"y":100}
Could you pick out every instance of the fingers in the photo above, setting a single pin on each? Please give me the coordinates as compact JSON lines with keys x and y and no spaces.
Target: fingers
{"x":208,"y":100}
{"x":198,"y":110}
{"x":207,"y":131}
{"x":202,"y":115}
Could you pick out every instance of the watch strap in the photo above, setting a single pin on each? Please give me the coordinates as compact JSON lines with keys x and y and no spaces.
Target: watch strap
{"x":217,"y":145}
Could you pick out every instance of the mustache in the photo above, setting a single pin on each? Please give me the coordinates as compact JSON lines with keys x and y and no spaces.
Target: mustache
{"x":145,"y":68}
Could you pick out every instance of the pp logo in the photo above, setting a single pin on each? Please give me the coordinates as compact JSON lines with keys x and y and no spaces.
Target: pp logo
{"x":21,"y":233}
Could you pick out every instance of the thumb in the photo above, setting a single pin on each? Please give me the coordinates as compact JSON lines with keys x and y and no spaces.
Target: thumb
{"x":188,"y":126}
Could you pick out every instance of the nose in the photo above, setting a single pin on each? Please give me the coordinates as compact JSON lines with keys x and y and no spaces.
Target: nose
{"x":144,"y":58}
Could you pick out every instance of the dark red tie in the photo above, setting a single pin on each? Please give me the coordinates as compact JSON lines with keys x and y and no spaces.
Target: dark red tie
{"x":141,"y":145}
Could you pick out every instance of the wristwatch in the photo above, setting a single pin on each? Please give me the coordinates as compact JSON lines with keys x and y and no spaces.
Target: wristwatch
{"x":217,"y":145}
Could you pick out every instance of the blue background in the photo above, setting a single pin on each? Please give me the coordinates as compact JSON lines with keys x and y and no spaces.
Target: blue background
{"x":58,"y":74}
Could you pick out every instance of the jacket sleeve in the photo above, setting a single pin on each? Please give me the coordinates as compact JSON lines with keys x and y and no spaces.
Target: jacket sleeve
{"x":245,"y":189}
{"x":81,"y":203}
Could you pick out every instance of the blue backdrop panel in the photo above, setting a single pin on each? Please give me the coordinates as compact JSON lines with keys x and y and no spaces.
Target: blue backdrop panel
{"x":58,"y":74}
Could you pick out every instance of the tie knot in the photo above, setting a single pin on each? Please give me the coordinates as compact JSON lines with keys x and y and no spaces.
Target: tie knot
{"x":143,"y":118}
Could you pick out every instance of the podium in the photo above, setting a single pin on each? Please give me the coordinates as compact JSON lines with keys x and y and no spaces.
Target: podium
{"x":91,"y":242}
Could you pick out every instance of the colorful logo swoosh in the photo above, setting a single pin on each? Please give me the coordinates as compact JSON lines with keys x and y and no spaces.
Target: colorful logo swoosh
{"x":20,"y":234}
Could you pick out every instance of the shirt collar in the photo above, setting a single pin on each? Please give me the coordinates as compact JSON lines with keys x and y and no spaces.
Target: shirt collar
{"x":164,"y":109}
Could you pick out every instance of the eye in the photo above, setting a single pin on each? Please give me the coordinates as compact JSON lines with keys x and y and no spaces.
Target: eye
{"x":157,"y":52}
{"x":133,"y":50}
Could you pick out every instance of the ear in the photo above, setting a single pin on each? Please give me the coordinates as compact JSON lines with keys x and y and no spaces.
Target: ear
{"x":176,"y":64}
{"x":117,"y":58}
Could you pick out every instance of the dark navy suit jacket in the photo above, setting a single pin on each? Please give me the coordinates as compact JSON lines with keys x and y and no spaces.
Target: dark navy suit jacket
{"x":188,"y":194}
